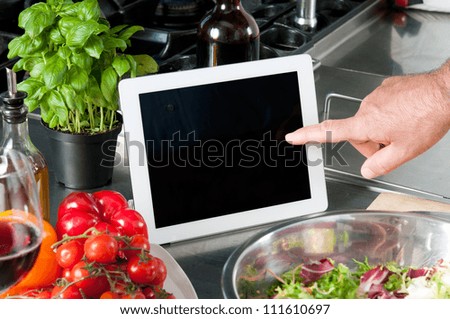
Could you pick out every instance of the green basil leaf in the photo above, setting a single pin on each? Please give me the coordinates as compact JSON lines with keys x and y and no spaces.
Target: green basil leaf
{"x":101,"y":28}
{"x":80,"y":104}
{"x":56,"y":36}
{"x":28,"y":13}
{"x":57,"y":2}
{"x":121,"y":65}
{"x":19,"y":46}
{"x":118,"y":28}
{"x":40,"y":94}
{"x":112,"y":43}
{"x":37,"y":69}
{"x":95,"y":95}
{"x":64,"y":52}
{"x":69,"y":10}
{"x":30,"y":85}
{"x":77,"y":36}
{"x":82,"y":60}
{"x":89,"y":10}
{"x":145,"y":64}
{"x":94,"y":46}
{"x":37,"y":19}
{"x":58,"y":106}
{"x":19,"y":65}
{"x":109,"y":84}
{"x":68,"y":94}
{"x":30,"y":63}
{"x":77,"y":78}
{"x":68,"y":23}
{"x":32,"y":104}
{"x":24,"y":46}
{"x":37,"y":45}
{"x":127,"y":33}
{"x":46,"y":112}
{"x":84,"y":123}
{"x":133,"y":63}
{"x":54,"y":72}
{"x":53,"y":122}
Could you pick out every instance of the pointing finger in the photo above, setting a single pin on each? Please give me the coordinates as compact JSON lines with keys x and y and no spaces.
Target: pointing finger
{"x":330,"y":131}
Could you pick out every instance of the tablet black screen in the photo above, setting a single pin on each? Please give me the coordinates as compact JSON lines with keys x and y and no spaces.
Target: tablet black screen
{"x":219,"y":148}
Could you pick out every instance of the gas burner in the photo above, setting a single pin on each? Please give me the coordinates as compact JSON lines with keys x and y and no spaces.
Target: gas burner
{"x":181,"y":13}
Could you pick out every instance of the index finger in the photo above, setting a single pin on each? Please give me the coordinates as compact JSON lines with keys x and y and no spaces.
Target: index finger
{"x":341,"y":130}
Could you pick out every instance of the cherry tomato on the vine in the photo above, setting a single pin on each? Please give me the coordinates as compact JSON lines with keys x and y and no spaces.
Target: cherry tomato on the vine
{"x":101,"y":248}
{"x":92,"y":285}
{"x":44,"y":294}
{"x":69,"y":253}
{"x":137,"y":244}
{"x":160,"y":272}
{"x":134,"y":295}
{"x":142,"y":269}
{"x":66,"y":292}
{"x":67,"y":274}
{"x":110,"y":295}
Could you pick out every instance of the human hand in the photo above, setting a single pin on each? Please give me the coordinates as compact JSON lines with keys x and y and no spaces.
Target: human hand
{"x":398,"y":121}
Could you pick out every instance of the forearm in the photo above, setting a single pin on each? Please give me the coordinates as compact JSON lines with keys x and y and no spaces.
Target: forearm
{"x":442,"y":79}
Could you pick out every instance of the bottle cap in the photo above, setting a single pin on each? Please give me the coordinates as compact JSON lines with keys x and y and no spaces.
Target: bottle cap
{"x":13,"y":109}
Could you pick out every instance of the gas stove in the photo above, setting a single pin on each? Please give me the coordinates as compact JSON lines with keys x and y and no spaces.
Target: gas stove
{"x":170,"y":26}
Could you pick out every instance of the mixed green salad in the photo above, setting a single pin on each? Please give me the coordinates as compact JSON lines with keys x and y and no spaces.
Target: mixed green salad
{"x":327,"y":279}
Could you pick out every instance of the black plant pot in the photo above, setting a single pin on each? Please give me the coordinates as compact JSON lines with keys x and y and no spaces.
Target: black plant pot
{"x":83,"y":161}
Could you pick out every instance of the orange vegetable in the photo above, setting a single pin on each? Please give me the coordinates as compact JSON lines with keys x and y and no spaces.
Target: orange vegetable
{"x":45,"y":270}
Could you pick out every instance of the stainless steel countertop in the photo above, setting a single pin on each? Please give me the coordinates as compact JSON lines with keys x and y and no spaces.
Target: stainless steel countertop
{"x":391,"y":43}
{"x":395,"y":43}
{"x":354,"y":68}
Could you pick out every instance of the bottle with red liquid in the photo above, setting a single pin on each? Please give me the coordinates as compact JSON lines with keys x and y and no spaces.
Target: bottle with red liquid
{"x":20,"y":217}
{"x":227,"y":34}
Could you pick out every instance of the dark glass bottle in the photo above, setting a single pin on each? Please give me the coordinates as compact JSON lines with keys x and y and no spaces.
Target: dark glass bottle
{"x":16,"y":136}
{"x":227,"y":34}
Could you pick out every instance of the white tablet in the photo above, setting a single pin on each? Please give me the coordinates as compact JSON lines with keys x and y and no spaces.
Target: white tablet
{"x":207,"y":152}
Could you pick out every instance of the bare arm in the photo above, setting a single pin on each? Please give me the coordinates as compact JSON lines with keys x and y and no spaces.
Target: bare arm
{"x":398,"y":121}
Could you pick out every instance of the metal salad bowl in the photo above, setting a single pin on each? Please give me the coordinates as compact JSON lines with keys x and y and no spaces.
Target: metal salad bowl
{"x":415,"y":239}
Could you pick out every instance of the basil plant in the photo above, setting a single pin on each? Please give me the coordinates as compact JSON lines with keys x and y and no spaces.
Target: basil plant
{"x":74,"y":60}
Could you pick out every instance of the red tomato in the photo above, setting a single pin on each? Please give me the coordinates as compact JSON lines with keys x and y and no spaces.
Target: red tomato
{"x":101,"y":248}
{"x":109,"y":295}
{"x":160,"y":272}
{"x":78,"y":202}
{"x":105,"y":210}
{"x":92,"y":286}
{"x":137,"y":244}
{"x":109,"y":202}
{"x":129,"y":222}
{"x":104,"y":227}
{"x":44,"y":294}
{"x":149,"y":293}
{"x":142,"y":270}
{"x":69,"y":253}
{"x":134,"y":295}
{"x":69,"y":292}
{"x":75,"y":223}
{"x":66,"y":274}
{"x":157,"y":293}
